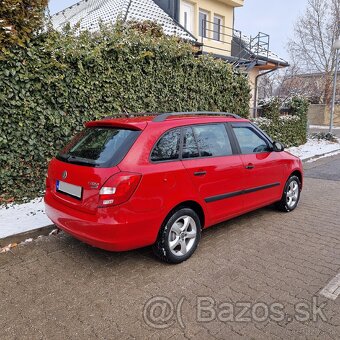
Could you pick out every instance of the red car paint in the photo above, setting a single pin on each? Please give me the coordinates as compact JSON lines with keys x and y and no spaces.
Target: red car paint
{"x":219,"y":187}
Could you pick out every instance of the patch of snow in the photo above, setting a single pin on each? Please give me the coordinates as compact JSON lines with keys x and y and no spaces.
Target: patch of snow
{"x":314,"y":148}
{"x":54,"y":232}
{"x":323,"y":127}
{"x":18,"y":218}
{"x":7,"y":248}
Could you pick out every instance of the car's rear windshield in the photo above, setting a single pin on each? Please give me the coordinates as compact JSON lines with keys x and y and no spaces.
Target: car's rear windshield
{"x":99,"y":146}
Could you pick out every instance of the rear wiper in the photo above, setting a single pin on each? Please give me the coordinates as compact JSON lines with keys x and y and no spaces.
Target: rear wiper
{"x":78,"y":160}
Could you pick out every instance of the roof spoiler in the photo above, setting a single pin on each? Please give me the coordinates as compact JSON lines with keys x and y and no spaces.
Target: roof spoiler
{"x":111,"y":123}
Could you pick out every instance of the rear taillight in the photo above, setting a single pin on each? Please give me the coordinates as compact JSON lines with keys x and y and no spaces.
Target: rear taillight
{"x":118,"y":189}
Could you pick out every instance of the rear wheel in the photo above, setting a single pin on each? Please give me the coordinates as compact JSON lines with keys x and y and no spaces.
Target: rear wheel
{"x":291,"y":195}
{"x":179,"y":236}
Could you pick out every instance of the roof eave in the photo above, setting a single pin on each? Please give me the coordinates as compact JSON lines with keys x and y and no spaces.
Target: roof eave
{"x":279,"y":63}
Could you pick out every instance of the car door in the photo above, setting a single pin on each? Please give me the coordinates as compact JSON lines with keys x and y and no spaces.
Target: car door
{"x":263,"y":182}
{"x":215,"y":168}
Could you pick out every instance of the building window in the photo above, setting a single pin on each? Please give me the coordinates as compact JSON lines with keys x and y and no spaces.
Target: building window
{"x":187,"y":16}
{"x":203,"y":18}
{"x":218,"y":22}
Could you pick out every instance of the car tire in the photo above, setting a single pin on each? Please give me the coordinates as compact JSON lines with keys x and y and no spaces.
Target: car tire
{"x":179,"y":236}
{"x":291,"y":195}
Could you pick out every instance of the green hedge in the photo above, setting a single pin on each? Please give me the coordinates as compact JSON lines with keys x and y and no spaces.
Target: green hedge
{"x":290,"y":130}
{"x":61,"y":80}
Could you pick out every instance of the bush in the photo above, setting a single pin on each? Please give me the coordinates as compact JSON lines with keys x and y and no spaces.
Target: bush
{"x":271,"y":109}
{"x":286,"y":129}
{"x":19,"y":20}
{"x":62,"y":80}
{"x":290,"y":130}
{"x":324,"y":136}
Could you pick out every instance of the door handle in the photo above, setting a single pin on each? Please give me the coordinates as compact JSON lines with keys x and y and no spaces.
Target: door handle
{"x":250,"y":166}
{"x":200,"y":173}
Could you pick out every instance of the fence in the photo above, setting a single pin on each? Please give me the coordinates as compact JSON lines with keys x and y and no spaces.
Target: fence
{"x":319,"y":114}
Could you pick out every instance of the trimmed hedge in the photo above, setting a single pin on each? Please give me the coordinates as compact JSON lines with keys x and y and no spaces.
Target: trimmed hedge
{"x":64,"y":79}
{"x":19,"y":20}
{"x":290,"y":130}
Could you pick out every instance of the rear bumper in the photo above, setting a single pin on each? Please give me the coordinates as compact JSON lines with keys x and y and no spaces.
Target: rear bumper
{"x":113,"y":229}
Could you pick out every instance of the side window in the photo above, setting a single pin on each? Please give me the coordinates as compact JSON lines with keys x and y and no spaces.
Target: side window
{"x":250,"y":141}
{"x":212,"y":140}
{"x":190,"y":148}
{"x":167,"y":148}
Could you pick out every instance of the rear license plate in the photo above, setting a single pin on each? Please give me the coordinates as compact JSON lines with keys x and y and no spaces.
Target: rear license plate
{"x":69,"y":189}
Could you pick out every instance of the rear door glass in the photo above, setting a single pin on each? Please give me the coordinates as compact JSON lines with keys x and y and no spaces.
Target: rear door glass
{"x":190,"y":147}
{"x":99,"y":146}
{"x":212,"y":140}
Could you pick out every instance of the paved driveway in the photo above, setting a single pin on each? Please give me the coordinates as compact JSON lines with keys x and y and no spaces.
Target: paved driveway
{"x":257,"y":276}
{"x":328,"y":168}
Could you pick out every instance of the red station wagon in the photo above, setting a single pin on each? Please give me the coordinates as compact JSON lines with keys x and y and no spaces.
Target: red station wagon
{"x":127,"y":183}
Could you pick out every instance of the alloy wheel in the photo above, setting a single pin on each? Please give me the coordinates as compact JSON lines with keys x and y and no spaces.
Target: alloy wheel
{"x":182,"y":235}
{"x":292,"y":194}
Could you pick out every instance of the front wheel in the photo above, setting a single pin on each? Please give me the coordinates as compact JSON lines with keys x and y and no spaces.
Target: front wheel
{"x":179,"y":236}
{"x":291,"y":195}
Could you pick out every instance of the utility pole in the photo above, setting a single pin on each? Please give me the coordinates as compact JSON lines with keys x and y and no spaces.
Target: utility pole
{"x":336,"y":46}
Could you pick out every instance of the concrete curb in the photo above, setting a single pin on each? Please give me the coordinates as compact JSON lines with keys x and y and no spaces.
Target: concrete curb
{"x":17,"y":238}
{"x":318,"y":156}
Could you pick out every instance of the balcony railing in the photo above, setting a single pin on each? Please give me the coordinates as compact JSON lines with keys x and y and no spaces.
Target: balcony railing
{"x":219,"y":37}
{"x":231,"y":43}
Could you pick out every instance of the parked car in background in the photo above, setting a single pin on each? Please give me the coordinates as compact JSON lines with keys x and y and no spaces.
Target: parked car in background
{"x":127,"y":183}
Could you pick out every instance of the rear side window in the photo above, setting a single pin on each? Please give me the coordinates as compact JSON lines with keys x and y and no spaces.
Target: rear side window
{"x":99,"y":146}
{"x":212,"y":140}
{"x":167,"y":148}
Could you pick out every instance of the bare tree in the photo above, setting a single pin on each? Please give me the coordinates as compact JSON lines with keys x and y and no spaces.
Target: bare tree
{"x":314,"y":34}
{"x":294,"y":82}
{"x":266,"y":86}
{"x":282,"y":83}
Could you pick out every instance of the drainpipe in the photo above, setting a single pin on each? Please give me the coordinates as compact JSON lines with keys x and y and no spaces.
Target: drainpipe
{"x":233,"y":18}
{"x":177,"y":11}
{"x":256,"y":86}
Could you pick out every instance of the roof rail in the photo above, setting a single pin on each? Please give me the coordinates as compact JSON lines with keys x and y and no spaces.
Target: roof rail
{"x":162,"y":117}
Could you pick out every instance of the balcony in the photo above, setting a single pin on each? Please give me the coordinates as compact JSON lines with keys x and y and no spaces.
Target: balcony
{"x":233,"y":3}
{"x":230,"y":44}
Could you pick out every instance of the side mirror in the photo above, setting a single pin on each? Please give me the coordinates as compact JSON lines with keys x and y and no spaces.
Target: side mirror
{"x":278,"y":147}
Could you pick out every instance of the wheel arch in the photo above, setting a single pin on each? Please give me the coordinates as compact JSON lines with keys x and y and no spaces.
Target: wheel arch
{"x":297,"y":173}
{"x":192,"y":205}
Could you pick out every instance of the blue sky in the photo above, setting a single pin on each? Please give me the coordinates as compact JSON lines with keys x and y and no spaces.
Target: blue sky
{"x":275,"y":18}
{"x":58,"y":5}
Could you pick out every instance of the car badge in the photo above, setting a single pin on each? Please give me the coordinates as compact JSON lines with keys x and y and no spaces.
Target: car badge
{"x":93,"y":185}
{"x":64,"y":175}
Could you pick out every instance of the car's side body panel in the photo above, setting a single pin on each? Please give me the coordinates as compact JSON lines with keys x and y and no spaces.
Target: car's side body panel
{"x":220,"y":176}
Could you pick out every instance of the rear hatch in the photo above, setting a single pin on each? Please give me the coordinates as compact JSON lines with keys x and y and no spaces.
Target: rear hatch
{"x":78,"y":172}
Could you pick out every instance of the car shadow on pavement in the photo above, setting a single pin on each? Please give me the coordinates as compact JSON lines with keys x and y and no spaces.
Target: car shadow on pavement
{"x":81,"y":251}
